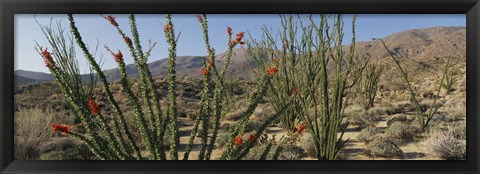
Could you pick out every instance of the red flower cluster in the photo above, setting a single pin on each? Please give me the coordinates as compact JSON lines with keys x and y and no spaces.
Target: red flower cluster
{"x":301,"y":128}
{"x":47,"y":57}
{"x":112,"y":20}
{"x":295,"y":90}
{"x":204,"y":71}
{"x":239,"y":39}
{"x":238,"y":141}
{"x":201,"y":17}
{"x":252,"y":137}
{"x":229,"y":31}
{"x":167,"y":27}
{"x":93,"y":106}
{"x":127,"y":40}
{"x":272,"y":70}
{"x":60,"y":128}
{"x":118,"y":56}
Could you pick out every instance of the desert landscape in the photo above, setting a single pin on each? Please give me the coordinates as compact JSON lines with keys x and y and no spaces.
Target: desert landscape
{"x":401,"y":97}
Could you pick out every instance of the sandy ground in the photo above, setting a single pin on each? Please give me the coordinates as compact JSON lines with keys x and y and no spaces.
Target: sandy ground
{"x":354,"y":150}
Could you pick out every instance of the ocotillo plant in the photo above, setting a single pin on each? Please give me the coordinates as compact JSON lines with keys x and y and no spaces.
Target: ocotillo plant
{"x":265,"y":54}
{"x":108,"y":135}
{"x":452,"y":75}
{"x":368,"y":85}
{"x":423,"y":118}
{"x":303,"y":62}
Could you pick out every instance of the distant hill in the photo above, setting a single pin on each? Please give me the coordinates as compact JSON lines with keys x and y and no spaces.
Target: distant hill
{"x":418,"y":43}
{"x":427,"y":43}
{"x":22,"y":77}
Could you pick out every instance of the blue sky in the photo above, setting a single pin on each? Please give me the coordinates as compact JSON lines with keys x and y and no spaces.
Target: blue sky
{"x":94,"y":28}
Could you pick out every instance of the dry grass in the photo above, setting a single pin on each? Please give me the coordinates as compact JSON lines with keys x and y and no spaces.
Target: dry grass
{"x":445,"y":144}
{"x":32,"y":127}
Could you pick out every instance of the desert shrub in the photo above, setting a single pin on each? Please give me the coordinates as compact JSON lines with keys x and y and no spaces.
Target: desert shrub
{"x":377,"y":111}
{"x":395,"y":84}
{"x":291,"y":152}
{"x":191,"y":115}
{"x":367,"y":134}
{"x":56,"y":155}
{"x":83,"y":153}
{"x":398,"y":118}
{"x":58,"y":144}
{"x":308,"y":145}
{"x":341,"y":155}
{"x":351,"y":115}
{"x":258,"y":118}
{"x":459,"y":130}
{"x":371,"y":117}
{"x":65,"y":148}
{"x":233,"y":116}
{"x":401,"y":133}
{"x":77,"y":153}
{"x":383,"y":147}
{"x":32,"y":127}
{"x":456,"y":113}
{"x":446,"y":145}
{"x":232,"y":90}
{"x":131,"y":124}
{"x":397,"y":108}
{"x":221,"y":141}
{"x":225,"y":127}
{"x":261,"y":152}
{"x":363,"y":119}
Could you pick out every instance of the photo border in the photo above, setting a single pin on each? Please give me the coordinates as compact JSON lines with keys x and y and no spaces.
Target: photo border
{"x":10,"y":7}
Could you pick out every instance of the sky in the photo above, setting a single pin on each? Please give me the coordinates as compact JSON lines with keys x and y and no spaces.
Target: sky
{"x":95,"y":30}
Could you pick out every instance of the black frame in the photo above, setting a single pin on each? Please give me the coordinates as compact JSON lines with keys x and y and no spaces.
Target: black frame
{"x":10,"y":7}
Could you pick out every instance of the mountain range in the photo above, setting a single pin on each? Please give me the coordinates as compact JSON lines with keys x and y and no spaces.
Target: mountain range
{"x":426,"y":43}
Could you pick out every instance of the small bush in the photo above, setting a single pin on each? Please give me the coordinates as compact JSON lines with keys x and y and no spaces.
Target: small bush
{"x":32,"y":127}
{"x":356,"y":121}
{"x":257,"y":120}
{"x":221,"y":140}
{"x":233,"y":116}
{"x":456,"y":113}
{"x":459,"y":130}
{"x":371,"y":117}
{"x":341,"y":155}
{"x":65,"y":148}
{"x":363,"y":118}
{"x":398,"y":118}
{"x":56,"y":155}
{"x":58,"y":144}
{"x":400,"y":107}
{"x":276,"y":152}
{"x":83,"y":153}
{"x":308,"y":145}
{"x":444,"y":144}
{"x":259,"y":152}
{"x":382,"y":147}
{"x":401,"y":133}
{"x":367,"y":134}
{"x":291,"y":152}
